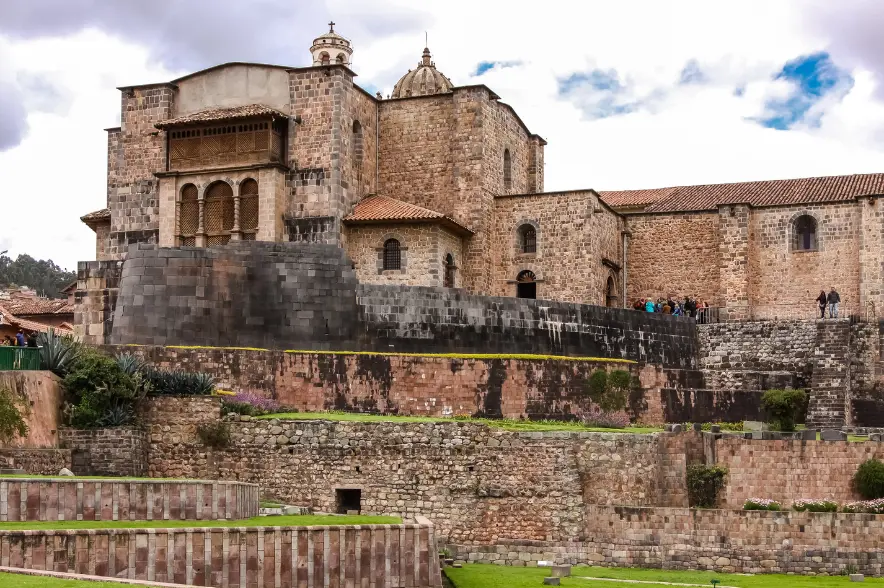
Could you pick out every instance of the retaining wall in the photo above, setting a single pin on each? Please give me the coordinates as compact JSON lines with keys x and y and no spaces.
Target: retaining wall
{"x":374,"y":556}
{"x":42,"y":395}
{"x":721,"y":540}
{"x":117,"y":451}
{"x":42,"y":499}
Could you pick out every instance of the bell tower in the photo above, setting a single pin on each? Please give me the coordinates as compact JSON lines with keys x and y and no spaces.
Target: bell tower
{"x":331,"y":48}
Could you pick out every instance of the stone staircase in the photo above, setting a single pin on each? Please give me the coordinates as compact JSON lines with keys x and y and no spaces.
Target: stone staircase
{"x":827,"y":406}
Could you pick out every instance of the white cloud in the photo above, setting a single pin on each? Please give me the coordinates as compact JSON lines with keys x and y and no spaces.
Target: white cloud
{"x":695,"y":133}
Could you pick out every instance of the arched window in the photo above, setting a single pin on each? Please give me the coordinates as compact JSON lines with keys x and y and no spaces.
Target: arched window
{"x":341,"y":58}
{"x":804,"y":233}
{"x":248,"y":209}
{"x":188,"y":216}
{"x":392,"y":255}
{"x":219,"y":214}
{"x":324,"y":58}
{"x":448,"y":276}
{"x":526,"y":284}
{"x":527,"y":239}
{"x":507,"y":170}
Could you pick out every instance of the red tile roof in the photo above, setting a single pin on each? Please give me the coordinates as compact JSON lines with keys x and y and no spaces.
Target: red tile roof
{"x":765,"y":193}
{"x":9,"y":318}
{"x":97,"y":216}
{"x":382,"y":209}
{"x":219,"y":114}
{"x":36,"y":306}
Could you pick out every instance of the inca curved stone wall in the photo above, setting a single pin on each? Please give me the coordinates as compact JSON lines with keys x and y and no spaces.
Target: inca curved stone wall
{"x":42,"y":499}
{"x":306,"y":297}
{"x":247,"y":294}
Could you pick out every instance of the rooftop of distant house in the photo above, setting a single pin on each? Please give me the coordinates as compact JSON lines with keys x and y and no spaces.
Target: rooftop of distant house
{"x":757,"y":194}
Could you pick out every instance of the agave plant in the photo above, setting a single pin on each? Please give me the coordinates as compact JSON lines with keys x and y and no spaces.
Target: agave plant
{"x":119,"y":414}
{"x":164,"y":383}
{"x":57,"y":354}
{"x":129,"y":363}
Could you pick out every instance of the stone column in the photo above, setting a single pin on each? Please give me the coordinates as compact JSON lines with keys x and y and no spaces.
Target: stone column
{"x":201,"y":227}
{"x":235,"y":234}
{"x":733,"y":255}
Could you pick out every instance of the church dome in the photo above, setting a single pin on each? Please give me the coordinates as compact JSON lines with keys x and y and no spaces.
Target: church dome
{"x":331,"y":48}
{"x":423,"y":81}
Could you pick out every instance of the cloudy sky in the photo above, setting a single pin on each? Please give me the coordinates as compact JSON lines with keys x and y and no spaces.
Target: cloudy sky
{"x":629,"y":94}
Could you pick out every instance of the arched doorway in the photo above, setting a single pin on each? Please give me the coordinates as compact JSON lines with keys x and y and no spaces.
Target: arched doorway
{"x":611,"y":297}
{"x":526,"y":284}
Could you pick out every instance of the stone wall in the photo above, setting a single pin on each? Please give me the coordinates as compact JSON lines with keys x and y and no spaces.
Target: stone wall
{"x":660,"y":263}
{"x":576,"y":233}
{"x":116,"y":451}
{"x":248,"y":294}
{"x":98,"y":285}
{"x":42,"y":396}
{"x":375,"y":556}
{"x":71,"y":499}
{"x":423,"y":250}
{"x":405,"y":385}
{"x":789,"y":470}
{"x":38,"y":462}
{"x":474,"y":482}
{"x":276,"y":295}
{"x":726,"y":541}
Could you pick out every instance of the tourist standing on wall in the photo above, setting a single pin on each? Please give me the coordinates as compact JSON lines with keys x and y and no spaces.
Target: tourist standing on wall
{"x":20,"y":338}
{"x":822,"y":301}
{"x":834,"y":299}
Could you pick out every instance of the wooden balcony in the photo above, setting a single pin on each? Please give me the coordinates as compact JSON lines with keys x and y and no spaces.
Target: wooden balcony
{"x":226,"y":145}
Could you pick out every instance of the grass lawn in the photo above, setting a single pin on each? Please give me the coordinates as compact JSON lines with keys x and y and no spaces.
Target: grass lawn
{"x":491,"y":576}
{"x":504,"y":424}
{"x":25,"y":581}
{"x":280,"y":521}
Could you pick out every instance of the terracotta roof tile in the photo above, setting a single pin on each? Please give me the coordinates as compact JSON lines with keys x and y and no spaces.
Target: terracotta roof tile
{"x":218,"y":114}
{"x":97,"y":216}
{"x":765,"y":193}
{"x":38,"y":306}
{"x":9,"y":318}
{"x":374,"y":209}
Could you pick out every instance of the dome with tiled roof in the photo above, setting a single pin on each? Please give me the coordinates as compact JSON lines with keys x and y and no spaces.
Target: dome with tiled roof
{"x":424,"y":80}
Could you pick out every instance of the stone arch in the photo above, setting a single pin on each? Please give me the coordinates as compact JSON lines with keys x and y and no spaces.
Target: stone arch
{"x":525,"y":244}
{"x":449,"y":269}
{"x":803,"y":232}
{"x":219,"y":212}
{"x":188,"y":214}
{"x":324,"y":58}
{"x":341,"y":58}
{"x":612,"y":296}
{"x":526,"y":284}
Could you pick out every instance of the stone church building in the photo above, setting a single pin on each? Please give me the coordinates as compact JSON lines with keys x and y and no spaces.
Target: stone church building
{"x":443,"y":185}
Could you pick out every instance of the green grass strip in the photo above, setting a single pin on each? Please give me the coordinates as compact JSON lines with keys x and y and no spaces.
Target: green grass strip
{"x":280,"y":521}
{"x":503,"y":424}
{"x":26,"y":581}
{"x":492,"y":576}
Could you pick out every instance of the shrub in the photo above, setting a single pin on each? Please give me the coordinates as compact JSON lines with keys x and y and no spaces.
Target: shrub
{"x":130,"y":364}
{"x":761,"y":504}
{"x":784,"y":407}
{"x":57,"y":354}
{"x":215,"y":435}
{"x":250,"y":404}
{"x":175,"y":383}
{"x":610,"y":391}
{"x":814,"y":505}
{"x":98,"y":391}
{"x":869,"y":479}
{"x":12,"y":423}
{"x":867,"y":506}
{"x":704,"y":484}
{"x":595,"y":416}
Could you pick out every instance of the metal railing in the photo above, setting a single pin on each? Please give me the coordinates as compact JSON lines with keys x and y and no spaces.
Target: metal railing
{"x":19,"y":358}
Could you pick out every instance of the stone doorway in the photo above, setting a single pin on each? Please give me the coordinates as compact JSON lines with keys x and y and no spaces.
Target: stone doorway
{"x":348,"y":500}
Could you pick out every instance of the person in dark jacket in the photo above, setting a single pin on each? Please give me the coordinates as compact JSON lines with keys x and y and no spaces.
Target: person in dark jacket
{"x":32,"y":339}
{"x":822,"y":300}
{"x":833,"y":299}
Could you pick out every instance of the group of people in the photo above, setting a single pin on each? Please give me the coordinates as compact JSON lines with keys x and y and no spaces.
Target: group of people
{"x":830,"y":300}
{"x":21,"y":340}
{"x":690,"y":307}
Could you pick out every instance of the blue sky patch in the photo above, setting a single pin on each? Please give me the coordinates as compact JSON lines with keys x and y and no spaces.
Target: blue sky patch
{"x":485,"y":66}
{"x":599,"y":93}
{"x":813,"y":77}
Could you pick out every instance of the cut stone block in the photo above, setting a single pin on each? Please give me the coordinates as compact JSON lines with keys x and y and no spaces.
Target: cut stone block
{"x":561,"y":571}
{"x":857,"y":578}
{"x":832,"y":435}
{"x":552,"y":582}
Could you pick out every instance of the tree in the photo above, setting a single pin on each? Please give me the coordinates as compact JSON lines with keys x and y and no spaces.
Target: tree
{"x":44,"y":276}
